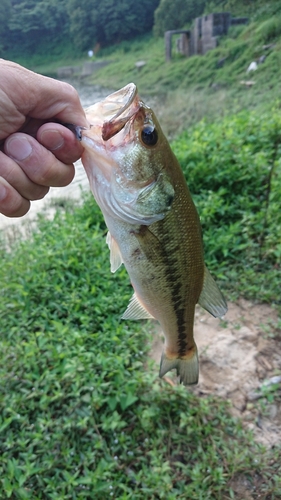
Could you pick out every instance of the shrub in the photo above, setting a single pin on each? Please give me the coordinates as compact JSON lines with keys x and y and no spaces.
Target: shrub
{"x":173,"y":15}
{"x":269,"y":30}
{"x":233,"y":171}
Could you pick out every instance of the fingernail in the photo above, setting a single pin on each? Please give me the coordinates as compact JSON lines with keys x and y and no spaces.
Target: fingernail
{"x":52,"y":139}
{"x":18,"y":148}
{"x":3,"y":192}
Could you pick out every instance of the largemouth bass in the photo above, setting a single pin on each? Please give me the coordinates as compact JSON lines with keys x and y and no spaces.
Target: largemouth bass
{"x":154,"y":228}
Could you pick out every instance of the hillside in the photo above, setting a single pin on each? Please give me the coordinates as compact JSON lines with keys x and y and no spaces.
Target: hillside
{"x":202,"y":86}
{"x":188,"y":89}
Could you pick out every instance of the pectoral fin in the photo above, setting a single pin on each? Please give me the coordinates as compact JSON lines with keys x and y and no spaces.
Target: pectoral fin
{"x":115,"y":256}
{"x":136,"y":310}
{"x":211,"y":297}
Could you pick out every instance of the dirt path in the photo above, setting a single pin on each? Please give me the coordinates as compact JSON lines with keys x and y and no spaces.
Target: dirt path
{"x":236,"y":356}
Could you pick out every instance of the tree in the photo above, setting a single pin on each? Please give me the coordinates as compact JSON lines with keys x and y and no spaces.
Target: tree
{"x":33,"y":21}
{"x":34,"y":25}
{"x":80,"y":23}
{"x":109,"y":22}
{"x":125,"y":19}
{"x":174,"y":15}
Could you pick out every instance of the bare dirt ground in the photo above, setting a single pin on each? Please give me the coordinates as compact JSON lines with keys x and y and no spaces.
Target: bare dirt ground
{"x":237,"y":355}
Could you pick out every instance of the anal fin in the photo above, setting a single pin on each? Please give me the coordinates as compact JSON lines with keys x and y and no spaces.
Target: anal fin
{"x":136,"y":310}
{"x":211,"y":297}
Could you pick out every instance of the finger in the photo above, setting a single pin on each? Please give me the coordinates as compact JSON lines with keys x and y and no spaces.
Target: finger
{"x":61,"y":141}
{"x":47,"y":98}
{"x":12,"y":204}
{"x":39,"y":164}
{"x":61,"y":102}
{"x":17,"y":178}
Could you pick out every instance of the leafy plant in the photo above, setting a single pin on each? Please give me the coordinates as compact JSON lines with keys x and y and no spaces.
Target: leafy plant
{"x":233,"y":171}
{"x":269,"y":30}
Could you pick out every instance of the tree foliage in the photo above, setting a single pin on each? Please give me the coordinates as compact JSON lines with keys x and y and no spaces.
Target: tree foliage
{"x":33,"y":23}
{"x":30,"y":24}
{"x":80,"y":24}
{"x":31,"y":16}
{"x":109,"y":22}
{"x":173,"y":15}
{"x":5,"y":14}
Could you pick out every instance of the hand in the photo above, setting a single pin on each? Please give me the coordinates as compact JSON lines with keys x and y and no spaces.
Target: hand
{"x":35,"y":151}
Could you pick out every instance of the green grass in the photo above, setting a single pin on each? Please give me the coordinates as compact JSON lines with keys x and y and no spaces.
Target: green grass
{"x":83,"y":412}
{"x":49,"y":55}
{"x":239,"y":48}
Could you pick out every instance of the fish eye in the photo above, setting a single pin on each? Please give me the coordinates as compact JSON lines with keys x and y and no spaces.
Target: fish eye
{"x":149,"y":135}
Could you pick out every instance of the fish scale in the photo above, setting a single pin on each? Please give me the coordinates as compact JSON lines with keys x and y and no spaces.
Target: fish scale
{"x":189,"y":264}
{"x":154,"y":228}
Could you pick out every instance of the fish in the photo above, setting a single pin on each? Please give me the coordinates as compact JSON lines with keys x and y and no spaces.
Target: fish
{"x":153,"y":225}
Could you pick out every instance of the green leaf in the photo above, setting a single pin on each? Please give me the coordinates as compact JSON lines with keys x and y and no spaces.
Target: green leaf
{"x":127,"y":400}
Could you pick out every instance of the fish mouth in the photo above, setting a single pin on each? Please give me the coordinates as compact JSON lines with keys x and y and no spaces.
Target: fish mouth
{"x":124,"y":105}
{"x":108,"y":117}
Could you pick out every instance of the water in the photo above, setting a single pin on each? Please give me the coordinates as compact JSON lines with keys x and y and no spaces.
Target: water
{"x":89,"y":94}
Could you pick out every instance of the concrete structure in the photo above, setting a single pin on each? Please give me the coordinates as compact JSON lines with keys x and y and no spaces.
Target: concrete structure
{"x":183,"y":45}
{"x":204,"y":35}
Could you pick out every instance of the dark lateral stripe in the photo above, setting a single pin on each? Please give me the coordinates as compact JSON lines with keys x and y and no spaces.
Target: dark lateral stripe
{"x":173,"y":278}
{"x":176,"y":289}
{"x":182,"y":342}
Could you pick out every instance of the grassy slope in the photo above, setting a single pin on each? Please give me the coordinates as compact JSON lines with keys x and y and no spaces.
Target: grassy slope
{"x":193,"y":88}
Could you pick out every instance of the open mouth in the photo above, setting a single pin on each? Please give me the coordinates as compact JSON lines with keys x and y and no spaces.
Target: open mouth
{"x":120,"y":106}
{"x":109,"y":116}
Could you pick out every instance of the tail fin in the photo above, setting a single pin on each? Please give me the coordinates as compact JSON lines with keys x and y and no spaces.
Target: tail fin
{"x":187,"y":369}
